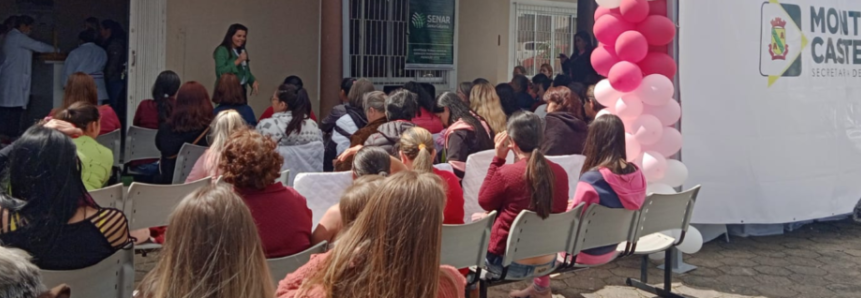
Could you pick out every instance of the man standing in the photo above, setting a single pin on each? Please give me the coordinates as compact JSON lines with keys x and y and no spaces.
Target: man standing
{"x":90,"y":59}
{"x":15,"y":74}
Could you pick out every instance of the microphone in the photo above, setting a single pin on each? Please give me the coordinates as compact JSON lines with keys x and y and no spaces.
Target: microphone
{"x":241,"y":49}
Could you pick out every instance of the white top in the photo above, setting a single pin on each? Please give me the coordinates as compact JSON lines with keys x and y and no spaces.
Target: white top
{"x":90,"y":59}
{"x":15,"y":72}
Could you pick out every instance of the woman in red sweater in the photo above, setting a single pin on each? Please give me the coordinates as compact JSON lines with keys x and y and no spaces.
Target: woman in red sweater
{"x":417,"y":152}
{"x":251,"y":164}
{"x":531,"y":183}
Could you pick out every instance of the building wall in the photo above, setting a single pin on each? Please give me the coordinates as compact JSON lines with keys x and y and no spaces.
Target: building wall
{"x":283,"y":40}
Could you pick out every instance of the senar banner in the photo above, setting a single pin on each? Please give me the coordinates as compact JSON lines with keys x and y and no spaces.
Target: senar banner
{"x":771,"y":98}
{"x":431,"y":34}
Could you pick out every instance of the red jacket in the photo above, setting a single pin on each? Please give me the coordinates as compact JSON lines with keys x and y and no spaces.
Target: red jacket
{"x":453,"y":214}
{"x":282,"y":217}
{"x":109,"y":120}
{"x":428,"y":121}
{"x":505,"y":190}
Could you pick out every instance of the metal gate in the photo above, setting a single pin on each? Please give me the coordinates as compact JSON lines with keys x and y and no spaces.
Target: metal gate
{"x":542,"y":33}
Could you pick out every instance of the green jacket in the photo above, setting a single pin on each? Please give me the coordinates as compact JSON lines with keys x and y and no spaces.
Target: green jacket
{"x":224,"y":63}
{"x":96,"y":162}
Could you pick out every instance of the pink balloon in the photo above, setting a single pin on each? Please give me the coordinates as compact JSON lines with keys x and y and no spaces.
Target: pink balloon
{"x":669,"y":113}
{"x":655,"y":90}
{"x":659,"y":49}
{"x":658,"y":7}
{"x":669,"y":144}
{"x":603,"y":58}
{"x":631,"y":46}
{"x":608,"y":28}
{"x":605,"y":94}
{"x":634,"y":11}
{"x":647,"y":129}
{"x":629,"y":107}
{"x":625,"y":76}
{"x":632,"y":148}
{"x":658,"y":63}
{"x":601,"y":11}
{"x":654,"y":166}
{"x":658,"y":30}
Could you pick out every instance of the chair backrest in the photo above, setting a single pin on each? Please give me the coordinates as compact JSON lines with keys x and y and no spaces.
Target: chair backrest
{"x":322,"y":190}
{"x":476,"y":169}
{"x":109,"y":196}
{"x":572,"y":165}
{"x":150,"y":205}
{"x":284,"y":178}
{"x":140,"y":144}
{"x":466,"y":245}
{"x":666,"y":212}
{"x":603,"y":226}
{"x":444,"y":167}
{"x":102,"y":280}
{"x":188,"y":156}
{"x":280,"y":267}
{"x":531,"y":236}
{"x":113,"y":141}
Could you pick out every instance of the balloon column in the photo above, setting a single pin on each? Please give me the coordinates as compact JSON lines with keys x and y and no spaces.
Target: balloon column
{"x":633,"y":36}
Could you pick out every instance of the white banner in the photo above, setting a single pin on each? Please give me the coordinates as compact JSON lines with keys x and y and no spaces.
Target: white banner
{"x":771,"y":98}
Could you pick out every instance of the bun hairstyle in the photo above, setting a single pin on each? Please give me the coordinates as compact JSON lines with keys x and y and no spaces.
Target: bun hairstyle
{"x":79,"y":114}
{"x":417,"y":145}
{"x":526,"y":131}
{"x":372,"y":161}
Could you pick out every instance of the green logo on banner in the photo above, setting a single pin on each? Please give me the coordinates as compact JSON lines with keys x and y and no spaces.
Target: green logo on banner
{"x":418,"y":20}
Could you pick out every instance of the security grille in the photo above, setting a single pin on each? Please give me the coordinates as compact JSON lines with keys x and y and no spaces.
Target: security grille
{"x":543,"y":32}
{"x":378,"y":45}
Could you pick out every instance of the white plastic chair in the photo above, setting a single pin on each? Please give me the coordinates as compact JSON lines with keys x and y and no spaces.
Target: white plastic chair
{"x":150,"y":205}
{"x":113,"y":141}
{"x":280,"y":267}
{"x":466,"y":245}
{"x":322,"y":190}
{"x":140,"y":145}
{"x":572,"y":164}
{"x":603,"y":226}
{"x":444,"y":167}
{"x":185,"y":160}
{"x":103,"y":280}
{"x":109,"y":196}
{"x":476,"y":169}
{"x":284,"y":178}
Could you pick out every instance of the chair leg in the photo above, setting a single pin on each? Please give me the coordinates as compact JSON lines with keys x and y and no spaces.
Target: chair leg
{"x":667,"y":290}
{"x":482,"y":289}
{"x":668,"y":269}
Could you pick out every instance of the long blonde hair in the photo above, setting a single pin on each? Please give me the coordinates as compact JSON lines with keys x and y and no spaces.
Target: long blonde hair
{"x":485,"y":102}
{"x":225,"y":124}
{"x":417,"y":145}
{"x":396,"y":238}
{"x":212,"y":251}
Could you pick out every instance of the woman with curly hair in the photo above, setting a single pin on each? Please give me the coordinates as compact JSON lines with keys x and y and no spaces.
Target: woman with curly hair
{"x":251,"y":164}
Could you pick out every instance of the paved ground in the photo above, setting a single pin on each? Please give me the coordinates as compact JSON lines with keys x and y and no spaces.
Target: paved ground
{"x":819,"y":260}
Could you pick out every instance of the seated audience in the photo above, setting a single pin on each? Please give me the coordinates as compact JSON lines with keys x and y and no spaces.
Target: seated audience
{"x":375,"y":161}
{"x":607,"y":179}
{"x":48,"y":211}
{"x":591,"y":107}
{"x":251,"y":164}
{"x":562,"y":80}
{"x":564,"y":130}
{"x":228,"y":96}
{"x":354,"y":119}
{"x":400,"y":110}
{"x":82,"y":88}
{"x":541,"y":84}
{"x":297,"y":82}
{"x":22,"y":279}
{"x":375,"y":109}
{"x":223,"y":126}
{"x":97,"y":161}
{"x":425,"y":103}
{"x":153,"y":112}
{"x":188,"y":123}
{"x":547,"y":71}
{"x":463,"y":91}
{"x":521,"y":90}
{"x":417,"y":153}
{"x":212,"y":251}
{"x":328,"y":123}
{"x":507,"y":98}
{"x":478,"y":81}
{"x":362,"y":265}
{"x":299,"y":140}
{"x":531,"y":183}
{"x":518,"y":71}
{"x":341,"y":215}
{"x":466,"y":133}
{"x":485,"y":102}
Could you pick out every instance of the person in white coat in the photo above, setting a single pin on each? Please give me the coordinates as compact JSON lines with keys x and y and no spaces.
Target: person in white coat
{"x":15,"y":74}
{"x":88,"y":58}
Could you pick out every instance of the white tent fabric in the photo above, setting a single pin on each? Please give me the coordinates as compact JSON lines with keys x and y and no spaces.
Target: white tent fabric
{"x":322,"y":190}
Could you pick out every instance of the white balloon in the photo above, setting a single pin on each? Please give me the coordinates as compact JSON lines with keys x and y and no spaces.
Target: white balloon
{"x":609,"y":3}
{"x":629,"y":107}
{"x":693,"y":241}
{"x":605,"y":94}
{"x":660,"y":188}
{"x":676,"y":174}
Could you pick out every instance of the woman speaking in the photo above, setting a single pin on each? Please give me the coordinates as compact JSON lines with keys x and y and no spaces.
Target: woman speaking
{"x":231,"y":57}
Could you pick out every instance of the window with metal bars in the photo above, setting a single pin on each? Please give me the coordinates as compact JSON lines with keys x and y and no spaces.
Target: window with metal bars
{"x":542,"y":33}
{"x":378,"y":44}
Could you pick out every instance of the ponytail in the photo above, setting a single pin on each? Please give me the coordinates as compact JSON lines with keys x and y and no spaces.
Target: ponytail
{"x":79,"y":114}
{"x":540,"y":178}
{"x":417,"y":145}
{"x":423,"y":163}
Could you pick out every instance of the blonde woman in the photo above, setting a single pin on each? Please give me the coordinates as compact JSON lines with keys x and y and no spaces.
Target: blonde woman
{"x":417,"y":153}
{"x":485,"y":102}
{"x":225,"y":123}
{"x":212,"y":250}
{"x":547,"y":70}
{"x":391,"y":250}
